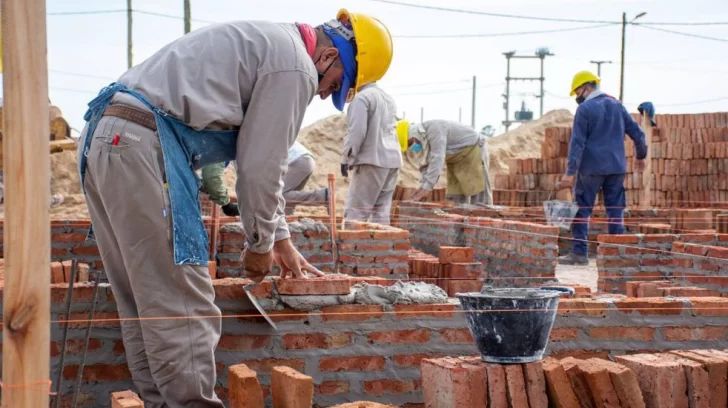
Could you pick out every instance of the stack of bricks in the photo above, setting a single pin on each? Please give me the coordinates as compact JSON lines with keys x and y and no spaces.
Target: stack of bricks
{"x":689,"y":165}
{"x":368,"y":249}
{"x":454,"y":271}
{"x":694,"y":378}
{"x":692,"y":220}
{"x":402,"y":193}
{"x":61,"y":272}
{"x":721,"y":223}
{"x":660,"y":288}
{"x":683,"y":258}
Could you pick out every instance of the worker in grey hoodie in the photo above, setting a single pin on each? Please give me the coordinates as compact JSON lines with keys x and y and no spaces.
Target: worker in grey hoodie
{"x":437,"y":142}
{"x":231,"y":91}
{"x":372,"y":153}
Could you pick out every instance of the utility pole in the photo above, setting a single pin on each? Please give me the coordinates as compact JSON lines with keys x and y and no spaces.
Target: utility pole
{"x":460,"y":115}
{"x":129,"y":58}
{"x":541,"y":54}
{"x":188,"y":17}
{"x":599,"y":66}
{"x":472,"y":112}
{"x":422,"y":114}
{"x":624,"y":35}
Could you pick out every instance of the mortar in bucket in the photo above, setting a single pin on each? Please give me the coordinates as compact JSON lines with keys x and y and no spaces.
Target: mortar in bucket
{"x":511,"y":325}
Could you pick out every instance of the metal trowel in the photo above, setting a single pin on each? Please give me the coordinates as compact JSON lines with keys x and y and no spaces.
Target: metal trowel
{"x":247,"y":288}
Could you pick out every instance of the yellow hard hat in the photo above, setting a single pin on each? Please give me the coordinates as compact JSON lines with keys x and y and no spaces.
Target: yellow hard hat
{"x":403,"y":134}
{"x":373,"y":45}
{"x":582,"y":78}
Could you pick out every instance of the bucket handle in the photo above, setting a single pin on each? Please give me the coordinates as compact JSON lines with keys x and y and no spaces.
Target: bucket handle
{"x":564,"y":289}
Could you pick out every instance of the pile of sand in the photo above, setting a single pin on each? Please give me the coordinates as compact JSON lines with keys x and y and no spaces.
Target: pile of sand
{"x":325,"y":138}
{"x":525,"y":141}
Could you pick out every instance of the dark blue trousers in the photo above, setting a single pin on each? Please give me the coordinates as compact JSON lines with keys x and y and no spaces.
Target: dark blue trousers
{"x":585,"y":193}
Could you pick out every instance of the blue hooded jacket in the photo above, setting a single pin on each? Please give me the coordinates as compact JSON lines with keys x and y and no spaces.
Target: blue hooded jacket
{"x":597,"y":138}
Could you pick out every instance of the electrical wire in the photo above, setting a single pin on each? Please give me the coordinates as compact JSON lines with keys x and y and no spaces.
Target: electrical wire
{"x":89,"y":12}
{"x":448,"y":90}
{"x":557,"y":30}
{"x":157,"y":14}
{"x":76,"y":74}
{"x":429,"y":83}
{"x":704,"y":37}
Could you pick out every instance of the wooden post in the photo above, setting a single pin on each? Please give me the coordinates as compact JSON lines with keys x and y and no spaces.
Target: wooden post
{"x":646,"y":191}
{"x":129,"y":35}
{"x":26,"y":297}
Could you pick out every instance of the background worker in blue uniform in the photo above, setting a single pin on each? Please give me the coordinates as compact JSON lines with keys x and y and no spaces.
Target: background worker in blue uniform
{"x":597,"y":160}
{"x":648,"y":109}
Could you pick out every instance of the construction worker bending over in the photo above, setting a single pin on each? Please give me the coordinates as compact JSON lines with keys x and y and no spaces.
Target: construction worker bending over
{"x":214,"y":186}
{"x":301,"y":166}
{"x":372,"y":153}
{"x":437,"y":142}
{"x":597,"y":160}
{"x":232,"y":91}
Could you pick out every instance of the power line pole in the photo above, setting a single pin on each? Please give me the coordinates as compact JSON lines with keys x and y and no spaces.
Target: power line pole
{"x":599,"y":66}
{"x":129,"y":59}
{"x":541,"y":54}
{"x":472,"y":112}
{"x":624,"y":35}
{"x":460,"y":115}
{"x":422,"y":114}
{"x":188,"y":17}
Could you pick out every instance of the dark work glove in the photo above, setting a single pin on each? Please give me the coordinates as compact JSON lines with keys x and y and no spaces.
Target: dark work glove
{"x":231,"y":210}
{"x":344,"y":169}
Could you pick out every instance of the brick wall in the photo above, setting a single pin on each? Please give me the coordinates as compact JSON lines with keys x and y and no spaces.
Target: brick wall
{"x":373,"y":250}
{"x":623,"y":258}
{"x":369,"y":353}
{"x":704,"y":266}
{"x":512,"y":252}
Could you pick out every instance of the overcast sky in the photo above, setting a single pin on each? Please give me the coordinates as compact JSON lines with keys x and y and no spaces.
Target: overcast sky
{"x":677,"y":73}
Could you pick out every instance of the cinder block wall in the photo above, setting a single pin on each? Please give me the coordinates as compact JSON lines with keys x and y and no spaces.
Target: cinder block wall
{"x":630,"y":257}
{"x":372,"y":353}
{"x":512,"y":252}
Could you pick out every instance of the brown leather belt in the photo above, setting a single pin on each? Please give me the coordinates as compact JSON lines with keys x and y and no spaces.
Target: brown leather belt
{"x":137,"y":116}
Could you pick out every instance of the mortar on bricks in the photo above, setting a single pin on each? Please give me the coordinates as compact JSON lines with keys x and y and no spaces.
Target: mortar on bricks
{"x":511,"y":325}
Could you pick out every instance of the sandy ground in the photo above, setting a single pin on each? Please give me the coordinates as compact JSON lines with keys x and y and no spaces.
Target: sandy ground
{"x":582,"y":275}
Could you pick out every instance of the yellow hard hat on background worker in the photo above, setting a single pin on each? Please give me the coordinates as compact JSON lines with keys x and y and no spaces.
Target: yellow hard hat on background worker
{"x":373,"y":52}
{"x":581,"y":78}
{"x":403,"y":134}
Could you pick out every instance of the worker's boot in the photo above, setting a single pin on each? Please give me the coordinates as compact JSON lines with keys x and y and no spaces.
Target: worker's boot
{"x":573,"y":259}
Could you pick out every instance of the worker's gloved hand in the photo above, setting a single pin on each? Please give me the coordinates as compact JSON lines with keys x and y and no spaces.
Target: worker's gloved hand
{"x":231,"y":209}
{"x":257,"y":266}
{"x":566,"y":182}
{"x":291,"y":261}
{"x":344,"y":169}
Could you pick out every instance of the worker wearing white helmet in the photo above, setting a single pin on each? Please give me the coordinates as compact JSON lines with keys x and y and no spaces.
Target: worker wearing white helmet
{"x":437,"y":142}
{"x":232,"y":91}
{"x":372,"y":154}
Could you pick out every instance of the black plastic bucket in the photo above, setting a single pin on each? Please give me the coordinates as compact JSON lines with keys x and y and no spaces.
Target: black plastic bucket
{"x":511,"y":325}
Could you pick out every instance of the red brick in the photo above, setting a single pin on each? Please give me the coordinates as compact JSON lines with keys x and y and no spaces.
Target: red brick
{"x":559,"y":387}
{"x":333,"y":364}
{"x":497,"y":385}
{"x":710,"y":306}
{"x":373,"y":271}
{"x":400,"y":336}
{"x":333,"y":387}
{"x":375,"y":246}
{"x":456,"y":336}
{"x":463,"y":286}
{"x":449,"y":382}
{"x":79,"y":320}
{"x":464,"y":270}
{"x":369,"y":404}
{"x":67,"y":238}
{"x":86,"y":250}
{"x":412,"y":360}
{"x":99,"y":372}
{"x":291,"y":389}
{"x":704,"y":333}
{"x":651,"y":289}
{"x":698,"y":382}
{"x":351,"y":313}
{"x":662,"y":382}
{"x":619,"y":239}
{"x":57,"y":275}
{"x":243,"y":342}
{"x":437,"y":311}
{"x":243,"y":388}
{"x":351,"y":235}
{"x":382,"y":387}
{"x":717,"y":369}
{"x":578,"y":382}
{"x":599,"y":382}
{"x":535,"y":385}
{"x":516,"y":384}
{"x":564,"y":333}
{"x":625,"y":384}
{"x":390,"y":235}
{"x":622,"y":333}
{"x":651,"y":306}
{"x":126,"y":399}
{"x":316,"y":341}
{"x":450,"y":255}
{"x":327,"y":285}
{"x":74,"y":346}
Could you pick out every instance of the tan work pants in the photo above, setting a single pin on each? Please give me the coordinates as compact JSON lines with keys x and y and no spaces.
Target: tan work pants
{"x":486,"y":196}
{"x":295,"y":179}
{"x":171,"y":359}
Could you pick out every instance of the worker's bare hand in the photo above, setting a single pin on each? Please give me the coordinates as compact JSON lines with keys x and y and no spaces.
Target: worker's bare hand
{"x":566,"y":182}
{"x":420,"y":194}
{"x":639,"y":165}
{"x":257,"y":266}
{"x":291,"y":261}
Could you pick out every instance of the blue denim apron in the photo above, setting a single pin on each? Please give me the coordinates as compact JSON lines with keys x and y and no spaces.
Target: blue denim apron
{"x":185,"y":150}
